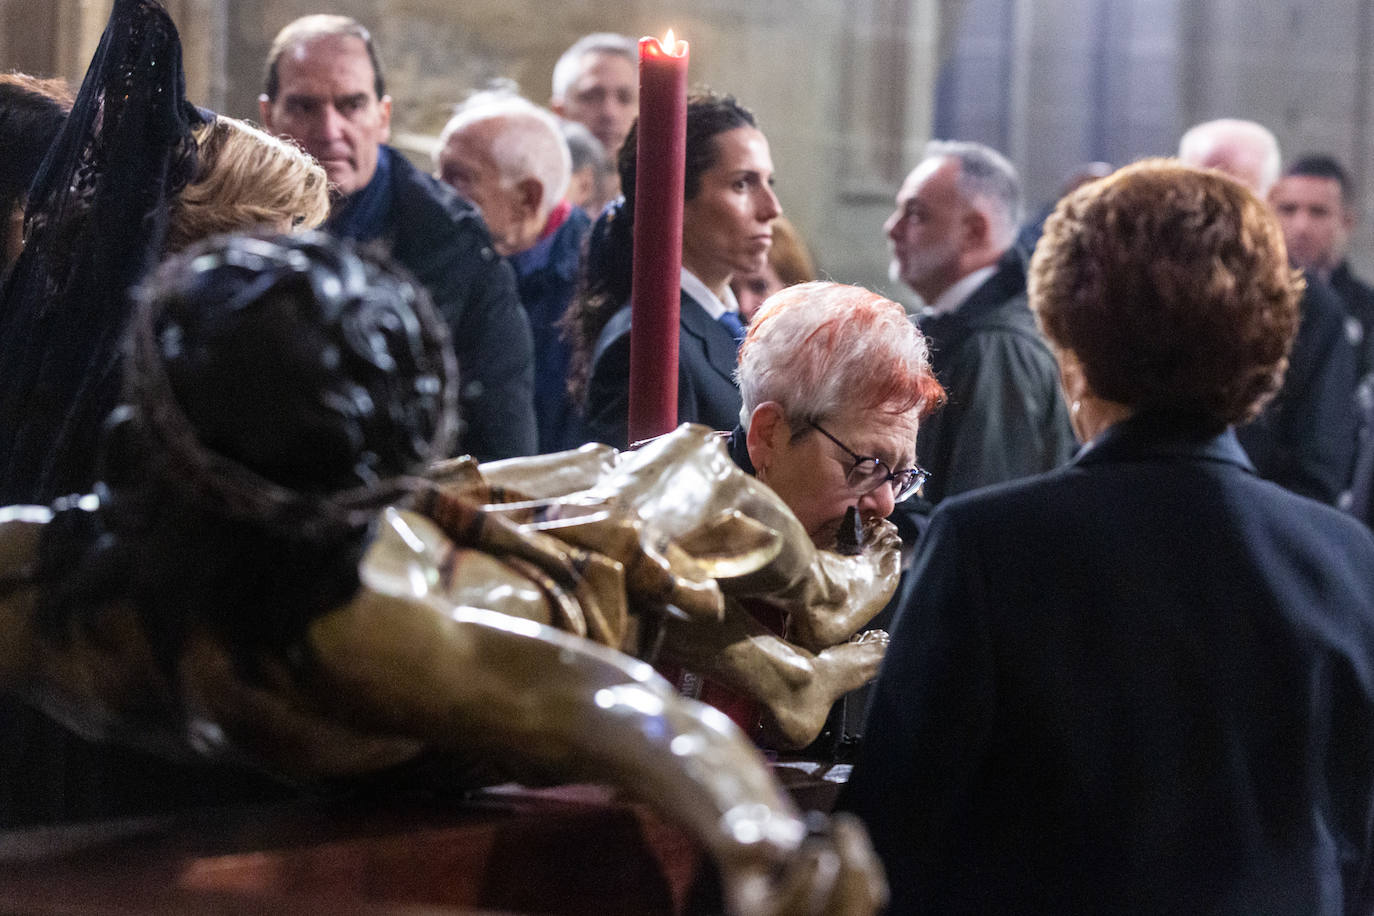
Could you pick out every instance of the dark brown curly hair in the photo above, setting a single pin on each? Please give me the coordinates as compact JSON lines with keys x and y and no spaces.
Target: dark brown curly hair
{"x":1172,"y":288}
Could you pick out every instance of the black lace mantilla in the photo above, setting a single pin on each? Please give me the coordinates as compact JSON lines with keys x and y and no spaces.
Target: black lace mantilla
{"x":96,"y":222}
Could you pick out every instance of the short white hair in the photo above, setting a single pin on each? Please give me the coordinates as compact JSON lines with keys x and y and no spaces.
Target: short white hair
{"x":821,"y":349}
{"x":528,"y":143}
{"x":988,"y":181}
{"x":569,"y":66}
{"x":1223,"y":143}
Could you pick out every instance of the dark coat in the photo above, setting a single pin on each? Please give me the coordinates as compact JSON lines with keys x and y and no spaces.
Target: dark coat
{"x":547,"y":278}
{"x":1005,"y":417}
{"x":1305,"y":439}
{"x":441,"y":239}
{"x":1358,"y":299}
{"x":706,"y":389}
{"x":1143,"y":683}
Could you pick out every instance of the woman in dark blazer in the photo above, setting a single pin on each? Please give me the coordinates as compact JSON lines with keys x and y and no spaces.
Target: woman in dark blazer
{"x":1142,"y":683}
{"x":726,"y":226}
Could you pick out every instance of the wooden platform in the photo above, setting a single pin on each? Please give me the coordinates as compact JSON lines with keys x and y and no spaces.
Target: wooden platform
{"x":569,"y":850}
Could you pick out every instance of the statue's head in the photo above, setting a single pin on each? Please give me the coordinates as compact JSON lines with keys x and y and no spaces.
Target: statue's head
{"x":276,"y":374}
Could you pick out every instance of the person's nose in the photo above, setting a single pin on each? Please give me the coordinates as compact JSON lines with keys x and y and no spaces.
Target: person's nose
{"x":890,"y":226}
{"x":331,"y":124}
{"x":610,"y":109}
{"x":878,"y":503}
{"x":770,"y":208}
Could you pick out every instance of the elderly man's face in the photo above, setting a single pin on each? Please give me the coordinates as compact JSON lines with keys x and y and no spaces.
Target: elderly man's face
{"x":467,"y":165}
{"x":927,"y":228}
{"x":327,"y":102}
{"x":605,"y":98}
{"x":1314,"y":218}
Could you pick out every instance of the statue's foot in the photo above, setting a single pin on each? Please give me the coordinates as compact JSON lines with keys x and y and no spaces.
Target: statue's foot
{"x":798,"y":718}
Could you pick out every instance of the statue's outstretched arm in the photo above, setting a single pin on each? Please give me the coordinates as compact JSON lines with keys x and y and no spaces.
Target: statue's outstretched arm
{"x":552,"y":705}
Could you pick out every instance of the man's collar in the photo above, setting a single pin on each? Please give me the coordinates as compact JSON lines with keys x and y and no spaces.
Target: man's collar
{"x":537,"y":255}
{"x":713,"y":304}
{"x":361,"y":216}
{"x":955,"y":296}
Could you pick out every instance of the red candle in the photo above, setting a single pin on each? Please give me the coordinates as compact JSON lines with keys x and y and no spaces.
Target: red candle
{"x":660,"y":174}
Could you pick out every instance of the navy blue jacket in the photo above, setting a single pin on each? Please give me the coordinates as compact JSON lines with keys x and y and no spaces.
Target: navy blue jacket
{"x":1305,"y":439}
{"x":1142,"y":683}
{"x":547,"y":278}
{"x":441,"y":239}
{"x":706,"y":389}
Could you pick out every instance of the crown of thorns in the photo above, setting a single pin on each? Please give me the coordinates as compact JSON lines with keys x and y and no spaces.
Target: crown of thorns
{"x":221,"y":484}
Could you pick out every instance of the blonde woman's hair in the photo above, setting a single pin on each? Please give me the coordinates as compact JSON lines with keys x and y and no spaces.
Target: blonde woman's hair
{"x":246,"y":179}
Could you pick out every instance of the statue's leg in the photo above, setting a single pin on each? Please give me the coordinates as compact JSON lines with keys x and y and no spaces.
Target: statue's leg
{"x":795,"y":686}
{"x":549,"y":705}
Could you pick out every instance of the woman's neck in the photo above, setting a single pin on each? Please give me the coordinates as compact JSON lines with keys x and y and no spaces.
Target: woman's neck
{"x":715,"y":280}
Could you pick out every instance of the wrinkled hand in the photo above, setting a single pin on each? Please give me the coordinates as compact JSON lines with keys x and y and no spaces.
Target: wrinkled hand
{"x":835,"y":872}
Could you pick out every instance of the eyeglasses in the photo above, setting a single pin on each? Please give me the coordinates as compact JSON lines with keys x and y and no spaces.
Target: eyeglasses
{"x":868,"y":473}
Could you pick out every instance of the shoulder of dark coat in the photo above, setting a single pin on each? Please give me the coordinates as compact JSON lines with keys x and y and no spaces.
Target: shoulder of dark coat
{"x":428,"y":214}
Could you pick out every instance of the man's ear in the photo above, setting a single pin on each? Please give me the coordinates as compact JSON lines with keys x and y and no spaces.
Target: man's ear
{"x":1071,"y":379}
{"x":977,"y":229}
{"x":384,"y":106}
{"x":265,"y":112}
{"x":529,"y":197}
{"x":768,"y":433}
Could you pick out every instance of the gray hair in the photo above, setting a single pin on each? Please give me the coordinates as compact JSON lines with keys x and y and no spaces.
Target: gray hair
{"x":987,"y":179}
{"x":307,"y":29}
{"x":569,"y":66}
{"x":820,"y":349}
{"x":1225,"y":142}
{"x":585,"y":148}
{"x":529,"y":143}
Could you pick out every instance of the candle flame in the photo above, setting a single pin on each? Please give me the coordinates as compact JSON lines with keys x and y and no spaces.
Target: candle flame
{"x":669,"y":43}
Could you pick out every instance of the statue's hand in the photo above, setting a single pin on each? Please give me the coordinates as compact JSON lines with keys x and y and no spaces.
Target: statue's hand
{"x":835,"y":872}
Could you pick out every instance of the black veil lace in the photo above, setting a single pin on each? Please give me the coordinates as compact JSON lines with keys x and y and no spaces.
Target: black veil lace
{"x":96,"y":222}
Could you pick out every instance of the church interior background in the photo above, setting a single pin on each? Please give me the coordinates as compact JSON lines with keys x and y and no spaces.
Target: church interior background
{"x":847,"y":92}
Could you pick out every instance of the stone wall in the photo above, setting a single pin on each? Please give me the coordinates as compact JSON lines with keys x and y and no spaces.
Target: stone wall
{"x":847,"y":93}
{"x":842,"y":90}
{"x":1056,"y":83}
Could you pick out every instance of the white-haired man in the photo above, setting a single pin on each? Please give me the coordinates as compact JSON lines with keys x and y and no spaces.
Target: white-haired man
{"x":508,"y":156}
{"x":952,"y":238}
{"x":1305,"y":439}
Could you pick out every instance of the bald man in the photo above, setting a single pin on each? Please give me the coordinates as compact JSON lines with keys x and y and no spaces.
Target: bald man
{"x":508,"y":156}
{"x":1305,"y":439}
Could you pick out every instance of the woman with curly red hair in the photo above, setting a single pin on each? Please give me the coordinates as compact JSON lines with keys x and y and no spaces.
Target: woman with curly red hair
{"x":1143,"y":682}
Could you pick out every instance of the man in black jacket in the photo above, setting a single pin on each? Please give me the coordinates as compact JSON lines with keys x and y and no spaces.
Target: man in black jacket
{"x":508,"y":156}
{"x":1305,"y":439}
{"x":952,"y":238}
{"x":324,"y":89}
{"x":1315,"y":204}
